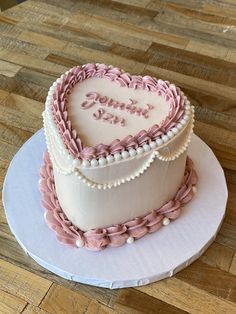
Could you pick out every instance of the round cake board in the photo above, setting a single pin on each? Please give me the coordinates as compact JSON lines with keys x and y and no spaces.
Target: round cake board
{"x":151,"y":258}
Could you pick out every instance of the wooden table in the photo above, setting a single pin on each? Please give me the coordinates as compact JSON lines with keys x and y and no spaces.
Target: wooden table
{"x":192,"y":44}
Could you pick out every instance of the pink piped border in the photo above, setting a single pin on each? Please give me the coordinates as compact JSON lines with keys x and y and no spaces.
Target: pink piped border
{"x":100,"y":238}
{"x":70,"y":136}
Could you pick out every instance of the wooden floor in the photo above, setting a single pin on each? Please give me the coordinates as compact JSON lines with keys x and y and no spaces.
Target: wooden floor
{"x":191,"y":43}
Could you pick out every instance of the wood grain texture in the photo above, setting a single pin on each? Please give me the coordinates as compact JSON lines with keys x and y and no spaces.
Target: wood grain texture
{"x":10,"y":304}
{"x":190,"y":43}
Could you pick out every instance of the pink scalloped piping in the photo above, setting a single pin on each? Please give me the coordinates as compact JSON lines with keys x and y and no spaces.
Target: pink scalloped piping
{"x":71,"y":138}
{"x":100,"y":238}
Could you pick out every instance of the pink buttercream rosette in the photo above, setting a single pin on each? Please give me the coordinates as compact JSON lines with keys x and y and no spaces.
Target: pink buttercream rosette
{"x":100,"y":238}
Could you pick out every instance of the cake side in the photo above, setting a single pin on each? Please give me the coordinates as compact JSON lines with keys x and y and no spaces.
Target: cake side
{"x":99,"y":238}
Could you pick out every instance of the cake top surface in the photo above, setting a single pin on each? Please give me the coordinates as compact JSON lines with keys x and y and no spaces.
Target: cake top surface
{"x":100,"y":110}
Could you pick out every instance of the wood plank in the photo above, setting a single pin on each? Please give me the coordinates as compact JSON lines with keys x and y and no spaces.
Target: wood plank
{"x":7,"y":20}
{"x":24,"y":86}
{"x":202,"y":15}
{"x":218,"y":139}
{"x":68,"y":33}
{"x":13,"y":135}
{"x":32,"y":62}
{"x":42,"y":40}
{"x":9,"y":69}
{"x":3,"y":169}
{"x":230,"y":210}
{"x":189,"y":27}
{"x":85,"y":55}
{"x":31,"y":309}
{"x":132,"y":301}
{"x":23,"y":113}
{"x":10,"y":304}
{"x":180,"y":61}
{"x":208,"y":103}
{"x":231,"y":56}
{"x":129,"y":30}
{"x":187,"y":297}
{"x":210,"y":279}
{"x":9,"y":30}
{"x":63,"y":300}
{"x":137,"y":3}
{"x":220,"y":10}
{"x":97,"y":308}
{"x":3,"y":95}
{"x":218,"y":256}
{"x":19,"y":46}
{"x":232,"y":269}
{"x":210,"y":50}
{"x":189,"y":63}
{"x":116,"y":11}
{"x":227,"y":236}
{"x":7,"y":151}
{"x":104,"y":30}
{"x":185,"y":81}
{"x":22,"y":283}
{"x":156,"y":4}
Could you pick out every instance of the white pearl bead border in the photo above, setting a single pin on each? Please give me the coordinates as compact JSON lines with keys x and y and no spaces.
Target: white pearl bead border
{"x":117,"y":157}
{"x":155,"y":154}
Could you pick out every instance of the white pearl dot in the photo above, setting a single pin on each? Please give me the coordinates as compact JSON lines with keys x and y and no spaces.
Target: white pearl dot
{"x":130,"y":240}
{"x":125,"y":154}
{"x":140,"y":150}
{"x":187,"y":107}
{"x":146,"y":147}
{"x":76,"y":163}
{"x":94,"y":162}
{"x":153,"y":144}
{"x":102,"y":161}
{"x":179,"y":126}
{"x":165,"y":138}
{"x":194,"y":189}
{"x":170,"y":134}
{"x":79,"y":242}
{"x":110,"y":159}
{"x":132,"y":152}
{"x":186,"y":117}
{"x":175,"y":130}
{"x":159,"y":142}
{"x":183,"y":122}
{"x":117,"y":157}
{"x":165,"y":221}
{"x":187,"y":102}
{"x":86,"y":163}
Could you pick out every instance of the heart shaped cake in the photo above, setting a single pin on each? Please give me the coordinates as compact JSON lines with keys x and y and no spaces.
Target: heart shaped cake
{"x":116,"y":166}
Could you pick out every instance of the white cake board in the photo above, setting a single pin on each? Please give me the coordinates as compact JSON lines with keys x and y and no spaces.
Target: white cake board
{"x":151,"y":258}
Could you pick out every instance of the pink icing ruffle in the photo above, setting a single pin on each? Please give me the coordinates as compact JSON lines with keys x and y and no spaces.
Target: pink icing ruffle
{"x":71,"y":138}
{"x":99,"y":238}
